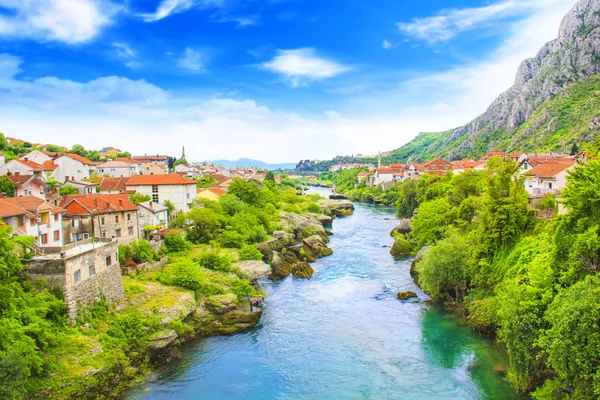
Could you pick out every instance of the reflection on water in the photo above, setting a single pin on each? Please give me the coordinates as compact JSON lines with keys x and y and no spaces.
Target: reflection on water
{"x":341,"y":335}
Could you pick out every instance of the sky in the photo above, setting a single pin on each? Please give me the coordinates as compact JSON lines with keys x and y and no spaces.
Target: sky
{"x":273,"y":80}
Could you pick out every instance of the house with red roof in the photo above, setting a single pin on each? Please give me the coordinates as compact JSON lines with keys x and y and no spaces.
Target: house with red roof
{"x":213,"y":193}
{"x":73,"y":166}
{"x":100,"y":215}
{"x":22,"y":167}
{"x":29,"y":185}
{"x":33,"y":216}
{"x":119,"y":168}
{"x":437,"y":166}
{"x":179,"y":190}
{"x":113,"y":185}
{"x":549,"y":177}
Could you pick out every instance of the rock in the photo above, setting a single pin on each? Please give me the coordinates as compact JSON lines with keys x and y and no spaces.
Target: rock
{"x":304,"y":226}
{"x":278,"y":243}
{"x":406,"y":295}
{"x":336,"y":207}
{"x":403,"y":227}
{"x":420,"y":255}
{"x":279,"y":234}
{"x":303,"y":270}
{"x":281,"y":266}
{"x":385,"y":245}
{"x":253,"y":269}
{"x":162,"y":339}
{"x":181,"y":308}
{"x":222,"y":303}
{"x":325,"y":220}
{"x":317,"y":246}
{"x":402,"y":248}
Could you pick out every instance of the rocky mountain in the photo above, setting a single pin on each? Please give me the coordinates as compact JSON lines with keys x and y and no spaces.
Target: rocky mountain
{"x":552,"y":104}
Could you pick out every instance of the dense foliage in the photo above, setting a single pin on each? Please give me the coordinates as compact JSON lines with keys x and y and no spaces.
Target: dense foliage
{"x":533,"y":281}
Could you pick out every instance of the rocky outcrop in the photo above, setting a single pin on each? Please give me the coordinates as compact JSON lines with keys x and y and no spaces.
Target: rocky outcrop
{"x":402,"y":248}
{"x":304,"y":226}
{"x":406,"y":295}
{"x":571,"y":57}
{"x":302,"y":270}
{"x":162,"y":339}
{"x":403,"y":227}
{"x":253,"y":270}
{"x":221,"y":304}
{"x":419,"y":257}
{"x":325,"y":220}
{"x":340,"y":208}
{"x":280,"y":241}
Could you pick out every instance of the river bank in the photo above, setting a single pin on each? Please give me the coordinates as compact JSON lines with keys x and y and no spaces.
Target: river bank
{"x":341,"y":334}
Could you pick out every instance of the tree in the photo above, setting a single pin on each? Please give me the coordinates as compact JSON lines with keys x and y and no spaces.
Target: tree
{"x":67,"y":189}
{"x":124,"y":154}
{"x":78,"y":149}
{"x":574,"y":149}
{"x":270,"y":176}
{"x":206,"y":182}
{"x":430,"y":222}
{"x":169,"y":204}
{"x":201,"y":223}
{"x":445,"y":268}
{"x":582,"y":194}
{"x":137,"y":198}
{"x":7,"y":186}
{"x":52,"y":148}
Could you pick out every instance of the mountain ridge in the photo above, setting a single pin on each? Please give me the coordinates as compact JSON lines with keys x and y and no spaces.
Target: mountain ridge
{"x":565,"y":61}
{"x":248,"y":162}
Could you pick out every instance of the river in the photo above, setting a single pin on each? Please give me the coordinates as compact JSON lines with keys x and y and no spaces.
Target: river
{"x":341,"y":335}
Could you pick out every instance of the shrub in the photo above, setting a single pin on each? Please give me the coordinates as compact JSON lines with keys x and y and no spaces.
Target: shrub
{"x":231,"y":239}
{"x":142,"y":251}
{"x":176,"y":243}
{"x":314,"y":208}
{"x":187,"y":275}
{"x":249,"y":252}
{"x":215,"y":261}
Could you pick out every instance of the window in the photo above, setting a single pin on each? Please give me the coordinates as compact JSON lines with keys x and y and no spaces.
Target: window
{"x":28,"y":192}
{"x":130,"y":230}
{"x":86,"y":235}
{"x":44,"y":238}
{"x":32,"y":221}
{"x":118,"y":233}
{"x":188,"y":195}
{"x":108,"y":261}
{"x":56,"y":236}
{"x":21,"y":221}
{"x":154,"y":188}
{"x":128,"y":217}
{"x":55,"y":217}
{"x":155,"y":197}
{"x":549,"y":185}
{"x":75,"y":222}
{"x":103,"y":234}
{"x":77,"y":276}
{"x":45,"y":216}
{"x":74,"y":237}
{"x":102,"y":221}
{"x":117,"y":219}
{"x":92,"y":270}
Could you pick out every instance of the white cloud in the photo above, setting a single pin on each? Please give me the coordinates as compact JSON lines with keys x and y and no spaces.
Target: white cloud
{"x":70,"y":21}
{"x":127,"y":55}
{"x":386,"y":45}
{"x":302,"y":66}
{"x":450,"y":22}
{"x":171,"y":7}
{"x":193,"y":60}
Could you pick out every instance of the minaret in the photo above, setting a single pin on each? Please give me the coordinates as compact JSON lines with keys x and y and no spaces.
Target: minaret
{"x":183,"y":153}
{"x":379,"y":160}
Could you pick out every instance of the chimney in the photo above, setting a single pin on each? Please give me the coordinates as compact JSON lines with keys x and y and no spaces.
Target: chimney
{"x":107,"y":204}
{"x":26,"y":159}
{"x":150,"y":203}
{"x":121,"y":202}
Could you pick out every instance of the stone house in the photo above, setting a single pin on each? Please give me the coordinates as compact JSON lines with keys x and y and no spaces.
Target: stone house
{"x":32,"y":216}
{"x":177,"y":189}
{"x":152,"y":214}
{"x":74,"y":167}
{"x":84,"y":271}
{"x":437,"y":166}
{"x":100,"y":216}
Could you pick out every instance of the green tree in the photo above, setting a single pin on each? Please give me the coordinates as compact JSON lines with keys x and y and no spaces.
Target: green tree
{"x":201,"y":223}
{"x":67,"y":189}
{"x":137,"y":198}
{"x":7,"y":186}
{"x":430,"y":222}
{"x":52,"y":148}
{"x":445,"y":268}
{"x":169,"y":204}
{"x":79,"y":149}
{"x":270,"y":176}
{"x":124,"y":154}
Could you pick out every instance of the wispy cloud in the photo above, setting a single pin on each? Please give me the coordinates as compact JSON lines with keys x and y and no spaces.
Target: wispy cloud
{"x":450,"y":22}
{"x":193,"y":60}
{"x":303,"y":66}
{"x":127,"y":55}
{"x":70,"y":21}
{"x":386,"y":45}
{"x":240,"y":21}
{"x":170,"y":7}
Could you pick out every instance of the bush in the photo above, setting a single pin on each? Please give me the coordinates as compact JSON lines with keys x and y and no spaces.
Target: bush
{"x":215,"y":261}
{"x":231,"y":239}
{"x":142,"y":251}
{"x":187,"y":275}
{"x":176,"y":243}
{"x":125,"y":254}
{"x":314,"y":208}
{"x":249,"y":252}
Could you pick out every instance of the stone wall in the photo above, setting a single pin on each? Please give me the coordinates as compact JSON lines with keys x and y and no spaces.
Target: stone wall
{"x":107,"y":283}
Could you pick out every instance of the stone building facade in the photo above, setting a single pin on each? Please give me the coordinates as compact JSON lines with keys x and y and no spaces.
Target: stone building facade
{"x":84,"y":271}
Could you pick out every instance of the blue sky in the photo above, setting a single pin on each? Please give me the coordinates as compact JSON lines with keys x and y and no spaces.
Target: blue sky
{"x":277,"y":80}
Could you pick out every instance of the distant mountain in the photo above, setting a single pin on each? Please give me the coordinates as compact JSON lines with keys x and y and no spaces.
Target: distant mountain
{"x":248,"y":162}
{"x":552,"y":106}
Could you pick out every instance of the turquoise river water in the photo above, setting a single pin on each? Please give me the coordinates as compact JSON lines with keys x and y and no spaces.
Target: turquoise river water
{"x":341,"y":335}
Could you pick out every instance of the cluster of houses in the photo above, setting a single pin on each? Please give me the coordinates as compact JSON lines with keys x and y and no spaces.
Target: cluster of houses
{"x":544,"y":173}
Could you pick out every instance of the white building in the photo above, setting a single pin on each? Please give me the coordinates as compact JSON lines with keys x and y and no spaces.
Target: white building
{"x":177,"y":189}
{"x":32,"y":216}
{"x":153,"y":214}
{"x":73,"y":166}
{"x":22,"y":167}
{"x":383,"y":175}
{"x":549,"y":177}
{"x":118,"y":169}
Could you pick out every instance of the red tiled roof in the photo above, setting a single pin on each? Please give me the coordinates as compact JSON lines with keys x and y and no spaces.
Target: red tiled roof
{"x":97,"y":204}
{"x":144,"y":180}
{"x":49,"y":165}
{"x":112,"y":184}
{"x":79,"y":158}
{"x":551,"y":168}
{"x":428,"y":163}
{"x":24,"y":205}
{"x":21,"y":179}
{"x":30,"y":164}
{"x":217,"y":190}
{"x":385,"y":170}
{"x":219,"y":178}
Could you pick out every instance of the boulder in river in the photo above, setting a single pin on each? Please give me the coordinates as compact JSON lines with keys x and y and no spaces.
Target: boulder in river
{"x":316,"y":246}
{"x":282,"y":264}
{"x":406,"y":295}
{"x":402,"y":248}
{"x":339,"y":208}
{"x":303,"y":270}
{"x":403,"y":227}
{"x":304,"y":226}
{"x":280,"y":241}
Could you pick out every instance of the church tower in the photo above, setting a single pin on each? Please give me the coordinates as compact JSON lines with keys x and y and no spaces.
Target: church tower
{"x":379,"y":159}
{"x":183,"y":153}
